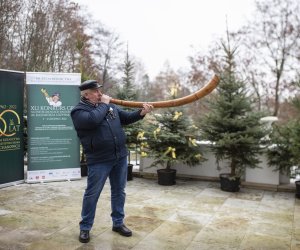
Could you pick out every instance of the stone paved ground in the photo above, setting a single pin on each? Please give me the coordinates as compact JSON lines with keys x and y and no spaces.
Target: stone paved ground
{"x":189,"y":215}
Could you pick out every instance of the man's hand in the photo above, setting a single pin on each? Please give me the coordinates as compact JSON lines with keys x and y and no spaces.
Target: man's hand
{"x":105,"y":98}
{"x":147,"y":108}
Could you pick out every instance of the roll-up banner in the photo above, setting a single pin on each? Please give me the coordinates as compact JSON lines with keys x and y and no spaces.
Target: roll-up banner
{"x":11,"y":128}
{"x":53,"y":146}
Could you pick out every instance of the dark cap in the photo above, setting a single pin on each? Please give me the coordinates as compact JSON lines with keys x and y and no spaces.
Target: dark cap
{"x":89,"y":84}
{"x":56,"y":94}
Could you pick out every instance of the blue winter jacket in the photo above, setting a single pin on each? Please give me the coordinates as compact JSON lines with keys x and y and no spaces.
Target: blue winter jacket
{"x":99,"y":128}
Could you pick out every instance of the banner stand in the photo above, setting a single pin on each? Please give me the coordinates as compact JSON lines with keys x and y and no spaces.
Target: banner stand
{"x":11,"y":127}
{"x":53,"y":145}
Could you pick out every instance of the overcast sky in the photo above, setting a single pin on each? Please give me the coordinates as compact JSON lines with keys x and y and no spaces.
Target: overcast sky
{"x":169,"y":30}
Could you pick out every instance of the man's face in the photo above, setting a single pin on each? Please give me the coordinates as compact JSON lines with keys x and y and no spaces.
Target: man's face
{"x":93,"y":95}
{"x":55,"y":98}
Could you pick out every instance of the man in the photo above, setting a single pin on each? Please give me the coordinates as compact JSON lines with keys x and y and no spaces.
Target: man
{"x":54,"y":100}
{"x":98,"y":124}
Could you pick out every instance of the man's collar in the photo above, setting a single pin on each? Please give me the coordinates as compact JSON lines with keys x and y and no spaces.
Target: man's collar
{"x":86,"y":101}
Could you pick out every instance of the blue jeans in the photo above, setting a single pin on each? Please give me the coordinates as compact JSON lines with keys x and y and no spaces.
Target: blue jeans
{"x":97,"y":175}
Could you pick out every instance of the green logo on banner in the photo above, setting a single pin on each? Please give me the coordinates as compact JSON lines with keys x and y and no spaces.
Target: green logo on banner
{"x":9,"y":127}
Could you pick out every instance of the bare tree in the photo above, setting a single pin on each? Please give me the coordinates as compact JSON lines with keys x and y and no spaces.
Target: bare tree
{"x":40,"y":35}
{"x":271,"y":40}
{"x":47,"y":35}
{"x":9,"y":11}
{"x":204,"y":64}
{"x":54,"y":35}
{"x":107,"y":51}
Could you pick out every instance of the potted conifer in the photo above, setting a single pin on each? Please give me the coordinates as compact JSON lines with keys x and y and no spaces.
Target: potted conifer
{"x":284,"y":151}
{"x":231,"y":126}
{"x":170,"y":138}
{"x":127,"y":92}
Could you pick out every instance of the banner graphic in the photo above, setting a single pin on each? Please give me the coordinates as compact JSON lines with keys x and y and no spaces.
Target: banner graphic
{"x":53,"y":146}
{"x":11,"y":128}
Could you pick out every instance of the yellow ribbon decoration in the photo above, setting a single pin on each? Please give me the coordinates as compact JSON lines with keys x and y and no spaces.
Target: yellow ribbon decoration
{"x":143,"y":154}
{"x":155,"y":132}
{"x":144,"y":145}
{"x":177,"y":115}
{"x":192,"y":141}
{"x":172,"y":151}
{"x":140,"y":135}
{"x":198,"y":156}
{"x":194,"y":126}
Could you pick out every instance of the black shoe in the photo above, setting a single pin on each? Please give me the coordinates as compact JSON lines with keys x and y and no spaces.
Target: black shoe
{"x":123,"y":230}
{"x":84,"y":236}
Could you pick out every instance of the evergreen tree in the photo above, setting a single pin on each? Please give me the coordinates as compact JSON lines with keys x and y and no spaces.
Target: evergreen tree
{"x":127,"y":92}
{"x":280,"y":154}
{"x":231,"y":125}
{"x":170,"y":137}
{"x":284,"y":152}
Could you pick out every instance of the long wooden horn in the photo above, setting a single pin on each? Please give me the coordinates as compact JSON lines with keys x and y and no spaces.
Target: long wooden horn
{"x":205,"y":90}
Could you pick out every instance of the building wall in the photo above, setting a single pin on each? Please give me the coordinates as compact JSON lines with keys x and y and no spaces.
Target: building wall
{"x":208,"y":170}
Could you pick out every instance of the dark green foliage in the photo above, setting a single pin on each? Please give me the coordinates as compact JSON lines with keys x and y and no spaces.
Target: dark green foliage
{"x":127,"y":92}
{"x":285,"y":151}
{"x":231,"y":125}
{"x":171,"y":139}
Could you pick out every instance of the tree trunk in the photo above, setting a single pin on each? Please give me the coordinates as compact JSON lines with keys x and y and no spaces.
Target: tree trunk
{"x":168,"y":165}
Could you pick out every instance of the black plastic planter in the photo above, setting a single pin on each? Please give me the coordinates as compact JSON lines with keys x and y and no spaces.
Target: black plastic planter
{"x":297,"y":183}
{"x":229,"y":184}
{"x":166,"y":177}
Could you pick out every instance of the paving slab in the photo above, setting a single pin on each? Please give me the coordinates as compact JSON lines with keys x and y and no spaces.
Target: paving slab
{"x":192,"y":214}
